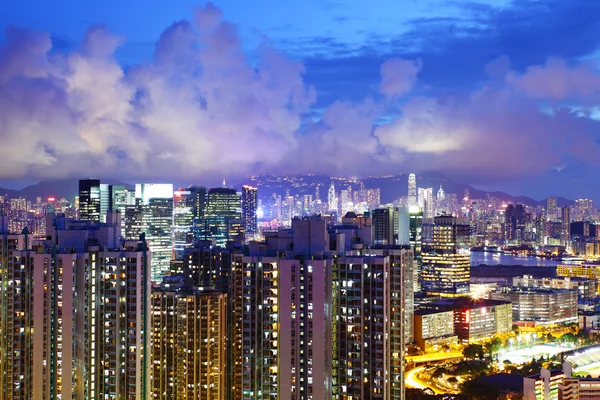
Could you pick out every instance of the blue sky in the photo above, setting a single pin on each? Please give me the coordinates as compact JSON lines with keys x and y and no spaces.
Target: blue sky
{"x":474,"y":61}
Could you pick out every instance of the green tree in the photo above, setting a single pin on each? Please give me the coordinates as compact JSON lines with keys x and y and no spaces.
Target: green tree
{"x":478,"y":390}
{"x":473,"y":351}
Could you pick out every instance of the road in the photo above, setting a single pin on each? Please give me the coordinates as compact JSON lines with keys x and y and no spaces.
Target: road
{"x":434,"y":357}
{"x":412,"y":380}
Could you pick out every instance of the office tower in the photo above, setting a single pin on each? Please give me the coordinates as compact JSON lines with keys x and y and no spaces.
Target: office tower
{"x":440,"y":194}
{"x":249,"y":206}
{"x":373,"y":198}
{"x":584,"y":210}
{"x":188,"y":344}
{"x":403,"y":226}
{"x":566,"y":225}
{"x":415,"y":238}
{"x":155,"y":206}
{"x":199,"y":199}
{"x":514,"y":221}
{"x":332,"y":199}
{"x":412,"y":190}
{"x":89,"y":200}
{"x":224,"y":216}
{"x":446,"y":259}
{"x":383,"y":226}
{"x":105,"y":200}
{"x":318,"y":192}
{"x":70,"y":344}
{"x":425,"y":201}
{"x":551,"y":207}
{"x":120,"y":199}
{"x":183,"y":222}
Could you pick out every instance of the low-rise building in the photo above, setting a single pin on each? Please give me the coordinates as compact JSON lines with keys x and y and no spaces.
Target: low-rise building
{"x":585,"y":287}
{"x":539,"y":306}
{"x":476,"y":319}
{"x":434,"y":328}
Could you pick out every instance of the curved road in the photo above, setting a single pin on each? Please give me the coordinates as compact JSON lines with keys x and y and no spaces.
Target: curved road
{"x":411,"y":380}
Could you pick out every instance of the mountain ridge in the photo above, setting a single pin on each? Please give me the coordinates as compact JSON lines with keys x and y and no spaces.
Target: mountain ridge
{"x":391,"y":186}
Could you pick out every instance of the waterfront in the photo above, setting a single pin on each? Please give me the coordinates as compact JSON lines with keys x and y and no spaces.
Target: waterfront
{"x":489,"y":258}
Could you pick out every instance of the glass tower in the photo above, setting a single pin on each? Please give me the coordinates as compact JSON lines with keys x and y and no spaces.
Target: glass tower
{"x":224,"y":216}
{"x":89,"y":200}
{"x":155,"y":203}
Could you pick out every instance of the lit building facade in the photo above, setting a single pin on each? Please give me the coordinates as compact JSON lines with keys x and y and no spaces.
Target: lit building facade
{"x":446,"y":262}
{"x":539,"y":305}
{"x":433,"y":328}
{"x":249,"y":208}
{"x":383,"y":226}
{"x":71,"y":344}
{"x":154,"y":203}
{"x":183,"y":222}
{"x":189,"y":344}
{"x":476,"y":319}
{"x":89,"y":200}
{"x":223,"y":216}
{"x":368,"y":334}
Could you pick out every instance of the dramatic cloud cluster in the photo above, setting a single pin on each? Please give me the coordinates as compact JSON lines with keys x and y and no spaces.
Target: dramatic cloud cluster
{"x":201,"y":107}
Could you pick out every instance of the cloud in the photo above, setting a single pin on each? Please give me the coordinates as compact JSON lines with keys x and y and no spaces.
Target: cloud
{"x":556,"y":81}
{"x":201,"y":108}
{"x":398,"y":76}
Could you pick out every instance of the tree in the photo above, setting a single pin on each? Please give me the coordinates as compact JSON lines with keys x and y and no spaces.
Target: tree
{"x":473,"y":351}
{"x":568,"y":338}
{"x":479,"y":390}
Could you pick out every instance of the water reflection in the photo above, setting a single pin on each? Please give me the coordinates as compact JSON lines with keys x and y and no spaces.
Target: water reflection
{"x":487,"y":258}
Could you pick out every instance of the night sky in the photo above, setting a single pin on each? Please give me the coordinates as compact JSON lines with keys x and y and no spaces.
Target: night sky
{"x":504,"y":95}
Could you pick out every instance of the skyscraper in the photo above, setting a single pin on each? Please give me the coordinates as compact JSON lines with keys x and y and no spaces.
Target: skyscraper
{"x":551,"y":207}
{"x":332,"y":200}
{"x":446,"y":260}
{"x":415,"y":238}
{"x":566,"y":225}
{"x":383,"y":226}
{"x":224,"y":216}
{"x":183,"y":222}
{"x":121,"y":197}
{"x":199,"y":200}
{"x":89,"y":200}
{"x":249,"y":206}
{"x":155,"y":204}
{"x":412,"y":190}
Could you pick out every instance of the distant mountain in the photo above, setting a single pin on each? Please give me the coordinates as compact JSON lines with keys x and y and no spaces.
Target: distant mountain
{"x":392,"y":187}
{"x":58,"y":188}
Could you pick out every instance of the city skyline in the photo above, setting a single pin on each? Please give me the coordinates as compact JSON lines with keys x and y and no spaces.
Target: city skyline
{"x":360,"y":91}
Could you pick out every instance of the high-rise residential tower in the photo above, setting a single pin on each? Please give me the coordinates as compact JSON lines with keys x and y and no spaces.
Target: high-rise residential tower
{"x":154,"y":203}
{"x":249,"y":207}
{"x":89,"y":200}
{"x":83,"y":326}
{"x":189,"y":344}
